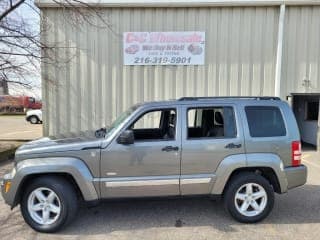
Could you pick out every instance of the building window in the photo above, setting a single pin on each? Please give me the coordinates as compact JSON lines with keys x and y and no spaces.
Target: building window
{"x":265,"y":121}
{"x":312,"y":111}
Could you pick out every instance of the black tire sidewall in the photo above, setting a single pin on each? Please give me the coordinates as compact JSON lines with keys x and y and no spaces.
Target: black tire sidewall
{"x":233,"y":187}
{"x":34,"y":117}
{"x":66,"y":196}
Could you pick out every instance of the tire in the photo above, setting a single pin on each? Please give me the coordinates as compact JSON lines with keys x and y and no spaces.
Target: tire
{"x":238,"y":193}
{"x":12,"y":110}
{"x":66,"y":201}
{"x":33,"y":120}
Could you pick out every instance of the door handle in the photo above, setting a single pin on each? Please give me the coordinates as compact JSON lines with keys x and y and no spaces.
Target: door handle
{"x":232,"y":145}
{"x":170,"y":149}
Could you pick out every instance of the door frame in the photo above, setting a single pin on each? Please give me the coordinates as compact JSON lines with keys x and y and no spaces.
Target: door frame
{"x":134,"y":185}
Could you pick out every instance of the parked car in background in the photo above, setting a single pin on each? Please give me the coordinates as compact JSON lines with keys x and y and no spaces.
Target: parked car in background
{"x":34,"y":116}
{"x":18,"y":104}
{"x":244,"y":149}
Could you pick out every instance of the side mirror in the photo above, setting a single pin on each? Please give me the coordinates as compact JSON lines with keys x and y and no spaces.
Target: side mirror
{"x":126,"y":137}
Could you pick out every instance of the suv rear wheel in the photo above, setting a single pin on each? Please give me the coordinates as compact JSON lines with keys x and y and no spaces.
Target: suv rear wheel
{"x":249,"y":197}
{"x":49,"y":203}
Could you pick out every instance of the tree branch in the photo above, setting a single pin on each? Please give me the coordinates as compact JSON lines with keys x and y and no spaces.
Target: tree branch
{"x":10,"y":9}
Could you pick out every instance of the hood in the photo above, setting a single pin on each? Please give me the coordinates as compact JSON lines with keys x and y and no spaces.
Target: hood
{"x":47,"y":146}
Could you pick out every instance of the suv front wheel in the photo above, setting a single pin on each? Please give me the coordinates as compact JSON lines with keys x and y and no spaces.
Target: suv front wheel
{"x":249,"y":197}
{"x":49,"y":203}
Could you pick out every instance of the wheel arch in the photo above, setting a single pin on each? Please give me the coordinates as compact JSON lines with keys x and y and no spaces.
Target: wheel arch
{"x":33,"y":115}
{"x":31,"y":177}
{"x":268,"y":165}
{"x":72,"y":169}
{"x":266,"y":172}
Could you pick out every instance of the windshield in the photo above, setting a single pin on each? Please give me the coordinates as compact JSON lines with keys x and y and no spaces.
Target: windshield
{"x":120,"y":119}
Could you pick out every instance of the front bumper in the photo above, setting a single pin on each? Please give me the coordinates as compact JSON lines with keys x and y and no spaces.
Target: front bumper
{"x":296,"y":176}
{"x":9,"y":195}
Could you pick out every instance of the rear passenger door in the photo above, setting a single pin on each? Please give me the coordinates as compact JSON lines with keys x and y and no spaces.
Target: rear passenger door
{"x":210,"y":133}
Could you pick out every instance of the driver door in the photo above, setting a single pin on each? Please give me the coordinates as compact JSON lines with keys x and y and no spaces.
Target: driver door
{"x":151,"y":165}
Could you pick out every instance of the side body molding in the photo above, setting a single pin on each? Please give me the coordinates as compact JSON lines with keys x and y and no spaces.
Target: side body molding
{"x":234,"y":162}
{"x":73,"y":166}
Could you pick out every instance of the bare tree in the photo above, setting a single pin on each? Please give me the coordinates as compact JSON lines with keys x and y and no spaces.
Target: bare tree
{"x":20,"y":42}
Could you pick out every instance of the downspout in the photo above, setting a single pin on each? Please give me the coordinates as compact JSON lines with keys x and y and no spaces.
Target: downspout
{"x":318,"y":130}
{"x":277,"y":89}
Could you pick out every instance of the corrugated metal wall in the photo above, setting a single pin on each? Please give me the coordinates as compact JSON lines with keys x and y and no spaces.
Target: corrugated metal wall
{"x":301,"y":56}
{"x":90,"y":86}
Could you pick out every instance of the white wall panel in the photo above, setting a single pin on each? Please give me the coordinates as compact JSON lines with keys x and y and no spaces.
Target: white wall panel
{"x":93,"y":86}
{"x":301,"y":59}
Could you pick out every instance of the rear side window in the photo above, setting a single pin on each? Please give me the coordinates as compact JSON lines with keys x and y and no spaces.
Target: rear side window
{"x":211,"y":122}
{"x":265,"y":121}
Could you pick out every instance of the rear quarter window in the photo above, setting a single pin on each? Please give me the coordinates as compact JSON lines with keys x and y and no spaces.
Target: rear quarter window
{"x":265,"y":121}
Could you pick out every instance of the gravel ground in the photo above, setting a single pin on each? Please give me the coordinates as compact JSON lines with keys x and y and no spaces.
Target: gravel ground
{"x":296,"y":215}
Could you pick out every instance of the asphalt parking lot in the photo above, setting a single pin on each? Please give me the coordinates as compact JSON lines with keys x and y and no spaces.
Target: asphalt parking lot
{"x":296,"y":215}
{"x":17,"y":128}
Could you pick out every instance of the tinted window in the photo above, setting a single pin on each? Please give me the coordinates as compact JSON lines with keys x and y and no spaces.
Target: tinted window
{"x":265,"y":121}
{"x":211,"y":122}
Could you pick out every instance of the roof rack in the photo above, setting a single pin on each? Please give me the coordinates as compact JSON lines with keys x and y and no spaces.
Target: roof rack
{"x":229,"y":97}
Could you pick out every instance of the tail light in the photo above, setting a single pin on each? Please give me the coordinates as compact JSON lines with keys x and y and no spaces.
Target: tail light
{"x":296,"y":153}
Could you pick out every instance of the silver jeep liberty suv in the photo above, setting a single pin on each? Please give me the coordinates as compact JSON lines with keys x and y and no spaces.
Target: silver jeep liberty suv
{"x":242,"y":148}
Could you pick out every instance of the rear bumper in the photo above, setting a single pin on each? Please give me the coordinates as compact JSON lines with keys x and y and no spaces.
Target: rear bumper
{"x":296,"y":176}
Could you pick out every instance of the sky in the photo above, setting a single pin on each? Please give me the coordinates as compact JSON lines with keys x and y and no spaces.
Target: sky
{"x":29,"y":14}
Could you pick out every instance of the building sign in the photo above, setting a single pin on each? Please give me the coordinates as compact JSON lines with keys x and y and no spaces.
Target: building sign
{"x":163,"y":48}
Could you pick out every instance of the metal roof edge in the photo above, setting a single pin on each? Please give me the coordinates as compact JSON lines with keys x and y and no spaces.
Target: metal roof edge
{"x":171,"y":3}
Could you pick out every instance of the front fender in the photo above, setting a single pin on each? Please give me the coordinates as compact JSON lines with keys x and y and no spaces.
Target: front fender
{"x":72,"y":166}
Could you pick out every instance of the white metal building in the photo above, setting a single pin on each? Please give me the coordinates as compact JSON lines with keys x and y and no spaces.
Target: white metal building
{"x":259,"y":47}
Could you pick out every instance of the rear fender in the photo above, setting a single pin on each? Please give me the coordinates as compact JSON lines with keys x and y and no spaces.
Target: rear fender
{"x":250,"y":161}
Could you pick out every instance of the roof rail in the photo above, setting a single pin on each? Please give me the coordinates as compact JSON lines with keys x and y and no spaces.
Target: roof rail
{"x":229,"y":97}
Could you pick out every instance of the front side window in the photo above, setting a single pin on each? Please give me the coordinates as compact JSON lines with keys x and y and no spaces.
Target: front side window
{"x":265,"y":121}
{"x":211,"y":122}
{"x":155,"y":125}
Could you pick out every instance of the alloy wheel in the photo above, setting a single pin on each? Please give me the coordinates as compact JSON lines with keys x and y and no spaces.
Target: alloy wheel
{"x":250,"y":199}
{"x":44,"y":206}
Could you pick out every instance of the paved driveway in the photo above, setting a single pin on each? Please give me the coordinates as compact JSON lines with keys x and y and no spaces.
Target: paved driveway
{"x":296,"y":215}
